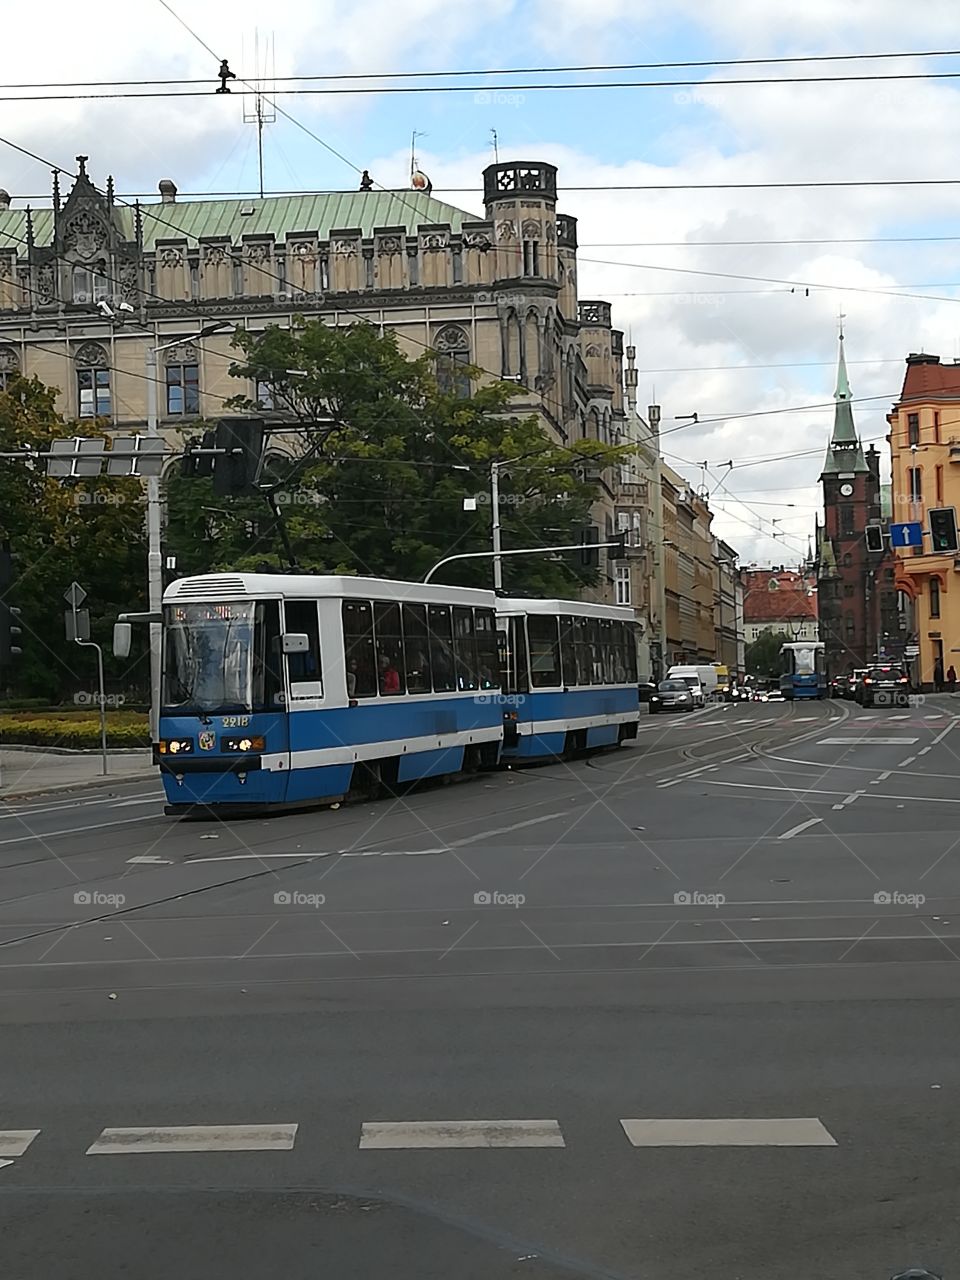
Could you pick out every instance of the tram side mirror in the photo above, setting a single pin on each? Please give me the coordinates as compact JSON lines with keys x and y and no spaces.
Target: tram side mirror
{"x":295,"y":642}
{"x":122,"y":639}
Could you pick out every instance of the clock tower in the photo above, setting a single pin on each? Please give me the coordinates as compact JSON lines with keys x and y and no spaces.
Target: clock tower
{"x":846,"y":570}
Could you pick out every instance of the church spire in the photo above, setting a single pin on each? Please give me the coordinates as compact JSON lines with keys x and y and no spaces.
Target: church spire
{"x":844,"y":452}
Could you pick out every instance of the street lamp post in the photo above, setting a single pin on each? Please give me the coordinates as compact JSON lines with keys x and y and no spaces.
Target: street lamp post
{"x":154,"y":552}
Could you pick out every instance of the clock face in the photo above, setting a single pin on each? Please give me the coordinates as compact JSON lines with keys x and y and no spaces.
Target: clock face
{"x":846,"y":490}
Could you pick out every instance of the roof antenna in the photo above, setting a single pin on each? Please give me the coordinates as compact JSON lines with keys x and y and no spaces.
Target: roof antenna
{"x":496,"y":149}
{"x":261,"y":110}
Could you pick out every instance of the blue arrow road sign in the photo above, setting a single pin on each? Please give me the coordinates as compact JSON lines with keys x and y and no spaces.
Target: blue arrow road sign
{"x":907,"y":535}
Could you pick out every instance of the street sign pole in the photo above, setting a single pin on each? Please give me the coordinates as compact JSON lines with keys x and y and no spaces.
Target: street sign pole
{"x":78,"y":624}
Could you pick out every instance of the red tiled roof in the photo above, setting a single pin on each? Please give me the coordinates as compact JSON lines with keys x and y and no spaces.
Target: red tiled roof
{"x":927,"y":379}
{"x":789,"y":601}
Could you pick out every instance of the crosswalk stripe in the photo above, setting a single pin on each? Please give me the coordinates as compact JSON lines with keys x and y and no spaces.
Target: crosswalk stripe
{"x":380,"y":1135}
{"x":866,"y":742}
{"x":805,"y":1132}
{"x":14,"y":1142}
{"x":196,"y":1137}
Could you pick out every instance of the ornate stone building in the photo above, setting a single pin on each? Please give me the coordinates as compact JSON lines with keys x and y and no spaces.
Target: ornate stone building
{"x":90,"y":284}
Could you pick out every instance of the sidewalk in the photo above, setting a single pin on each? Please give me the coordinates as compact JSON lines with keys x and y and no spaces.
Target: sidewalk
{"x":28,"y":771}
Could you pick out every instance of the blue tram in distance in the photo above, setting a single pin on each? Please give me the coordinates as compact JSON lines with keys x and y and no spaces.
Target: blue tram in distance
{"x":804,"y":674}
{"x":288,"y":690}
{"x":568,"y":677}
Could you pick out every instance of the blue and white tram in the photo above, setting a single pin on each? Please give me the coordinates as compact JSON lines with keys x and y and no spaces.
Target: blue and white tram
{"x":804,"y":674}
{"x":568,"y":676}
{"x":288,"y":690}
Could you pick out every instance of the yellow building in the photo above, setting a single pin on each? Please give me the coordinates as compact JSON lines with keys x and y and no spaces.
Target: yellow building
{"x":925,"y":447}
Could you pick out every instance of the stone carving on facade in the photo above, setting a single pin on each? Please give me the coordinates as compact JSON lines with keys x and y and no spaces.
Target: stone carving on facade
{"x":129,"y":282}
{"x":84,"y":235}
{"x":185,"y":353}
{"x":214,"y":255}
{"x":506,"y":229}
{"x":258,"y":253}
{"x":91,"y":355}
{"x":389,"y":245}
{"x":531,"y":229}
{"x":550,"y":232}
{"x":434,"y":241}
{"x":345,"y":248}
{"x":6,"y":268}
{"x":451,"y":338}
{"x":304,"y":250}
{"x":171,"y":258}
{"x":592,"y":350}
{"x":478,"y":240}
{"x":46,"y":284}
{"x":9,"y":360}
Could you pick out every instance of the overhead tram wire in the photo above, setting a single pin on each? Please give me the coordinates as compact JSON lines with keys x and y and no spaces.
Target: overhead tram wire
{"x":524,"y":87}
{"x":506,"y":71}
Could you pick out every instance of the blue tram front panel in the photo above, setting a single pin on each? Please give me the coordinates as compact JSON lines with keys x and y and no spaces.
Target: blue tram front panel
{"x":223,"y":759}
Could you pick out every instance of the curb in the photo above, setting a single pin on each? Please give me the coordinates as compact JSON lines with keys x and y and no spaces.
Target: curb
{"x":82,"y":752}
{"x":87,"y":785}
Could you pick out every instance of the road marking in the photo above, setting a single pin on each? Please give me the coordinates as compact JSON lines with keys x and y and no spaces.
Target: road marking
{"x":126,"y":804}
{"x":867,"y":742}
{"x":516,"y":826}
{"x":461,"y":1133}
{"x":4,"y":1163}
{"x":904,"y":763}
{"x":801,"y":826}
{"x":805,"y":719}
{"x":904,"y":716}
{"x":14,"y":1142}
{"x":804,"y":1132}
{"x":943,"y":733}
{"x":149,"y":859}
{"x":923,"y":751}
{"x":70,"y":831}
{"x":196,"y":1137}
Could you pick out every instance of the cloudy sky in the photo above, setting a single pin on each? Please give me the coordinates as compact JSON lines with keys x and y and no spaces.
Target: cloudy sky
{"x":731,"y":342}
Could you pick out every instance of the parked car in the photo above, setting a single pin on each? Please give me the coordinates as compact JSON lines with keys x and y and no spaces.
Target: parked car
{"x":646,"y":690}
{"x":884,"y":684}
{"x":672,"y":695}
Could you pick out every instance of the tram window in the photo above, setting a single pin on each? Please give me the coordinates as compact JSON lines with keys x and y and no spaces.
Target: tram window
{"x":516,"y":675}
{"x":391,"y":672}
{"x":304,"y":668}
{"x":465,"y":648}
{"x":487,"y":661}
{"x":267,"y":660}
{"x":416,"y":647}
{"x":544,"y":651}
{"x":568,"y":651}
{"x":581,"y":637}
{"x":618,"y":672}
{"x":631,"y":653}
{"x":441,"y":647}
{"x":606,"y":651}
{"x":358,"y":649}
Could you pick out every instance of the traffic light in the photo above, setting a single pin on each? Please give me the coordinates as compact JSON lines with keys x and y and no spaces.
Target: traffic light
{"x":194,"y":465}
{"x":943,"y":529}
{"x":619,"y":549}
{"x":10,"y":634}
{"x":236,"y":471}
{"x":589,"y":554}
{"x":874,"y":534}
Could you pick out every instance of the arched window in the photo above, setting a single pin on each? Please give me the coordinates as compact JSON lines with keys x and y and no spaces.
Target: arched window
{"x":453,"y":358}
{"x":510,"y":332}
{"x":9,"y":366}
{"x":89,"y":285}
{"x":532,"y":344}
{"x":93,"y":381}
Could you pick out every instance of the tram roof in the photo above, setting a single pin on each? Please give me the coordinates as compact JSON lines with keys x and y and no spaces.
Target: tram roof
{"x":566,"y":608}
{"x":243,"y":586}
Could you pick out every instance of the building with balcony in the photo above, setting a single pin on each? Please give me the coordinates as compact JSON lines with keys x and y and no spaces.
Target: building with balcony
{"x":779,"y":599}
{"x":925,"y":450}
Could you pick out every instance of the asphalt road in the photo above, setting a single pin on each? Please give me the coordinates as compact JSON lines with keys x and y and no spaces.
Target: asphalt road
{"x":685,"y":1008}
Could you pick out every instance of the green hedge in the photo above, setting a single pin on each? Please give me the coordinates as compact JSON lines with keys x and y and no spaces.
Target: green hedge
{"x":77,"y":731}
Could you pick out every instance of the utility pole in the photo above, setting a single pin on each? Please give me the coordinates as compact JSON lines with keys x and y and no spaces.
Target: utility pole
{"x":154,"y":557}
{"x":495,"y":510}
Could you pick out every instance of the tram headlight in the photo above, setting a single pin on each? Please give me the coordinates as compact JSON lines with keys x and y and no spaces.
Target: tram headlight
{"x":242,"y":744}
{"x":175,"y":746}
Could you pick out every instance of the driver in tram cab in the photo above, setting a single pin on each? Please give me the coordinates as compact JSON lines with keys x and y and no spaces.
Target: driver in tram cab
{"x":389,"y":675}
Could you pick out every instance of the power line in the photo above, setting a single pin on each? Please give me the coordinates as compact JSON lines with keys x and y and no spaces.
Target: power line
{"x":713,"y":244}
{"x":506,"y":71}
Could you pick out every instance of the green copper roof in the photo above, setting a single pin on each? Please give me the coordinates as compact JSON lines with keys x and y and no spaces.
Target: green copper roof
{"x":319,"y":213}
{"x":844,"y":452}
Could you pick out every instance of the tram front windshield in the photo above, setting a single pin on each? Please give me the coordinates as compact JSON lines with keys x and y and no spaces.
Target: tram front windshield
{"x":221,"y":657}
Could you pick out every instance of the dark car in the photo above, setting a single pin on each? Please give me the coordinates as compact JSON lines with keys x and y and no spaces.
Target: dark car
{"x":645,"y":690}
{"x":883,"y":685}
{"x":672,"y":695}
{"x":839,"y":686}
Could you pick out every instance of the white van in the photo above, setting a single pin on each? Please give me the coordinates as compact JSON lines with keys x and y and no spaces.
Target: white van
{"x":702,"y":681}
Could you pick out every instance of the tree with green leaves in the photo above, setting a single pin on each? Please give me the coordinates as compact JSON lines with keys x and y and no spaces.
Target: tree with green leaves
{"x":762,"y":658}
{"x":89,"y":530}
{"x":379,"y":470}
